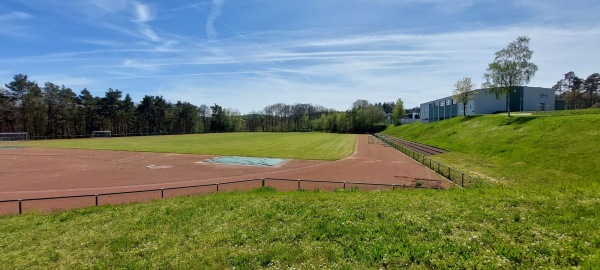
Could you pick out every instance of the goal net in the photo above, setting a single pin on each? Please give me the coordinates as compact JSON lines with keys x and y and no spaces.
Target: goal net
{"x":13,"y":136}
{"x":101,"y":134}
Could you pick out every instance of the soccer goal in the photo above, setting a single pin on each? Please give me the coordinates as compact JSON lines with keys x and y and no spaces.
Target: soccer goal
{"x":101,"y":134}
{"x":13,"y":136}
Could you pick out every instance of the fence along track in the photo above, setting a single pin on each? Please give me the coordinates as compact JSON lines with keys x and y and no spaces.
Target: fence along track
{"x":459,"y":178}
{"x":423,"y":149}
{"x":48,"y":204}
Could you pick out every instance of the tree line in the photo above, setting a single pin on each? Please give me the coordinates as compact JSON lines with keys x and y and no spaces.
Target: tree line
{"x":54,"y":110}
{"x":579,"y":93}
{"x":362,"y":117}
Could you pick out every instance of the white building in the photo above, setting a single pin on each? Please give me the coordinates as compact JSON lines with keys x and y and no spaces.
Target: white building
{"x":523,"y":98}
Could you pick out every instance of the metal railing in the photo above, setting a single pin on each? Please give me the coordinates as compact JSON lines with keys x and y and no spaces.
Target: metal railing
{"x":48,"y":204}
{"x":459,"y":178}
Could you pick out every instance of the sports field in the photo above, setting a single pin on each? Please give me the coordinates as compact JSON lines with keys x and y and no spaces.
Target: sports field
{"x":55,"y":168}
{"x":525,"y":221}
{"x":308,"y":146}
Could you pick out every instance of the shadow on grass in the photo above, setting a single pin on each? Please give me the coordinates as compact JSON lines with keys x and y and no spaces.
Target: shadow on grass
{"x":469,"y":117}
{"x":519,"y":120}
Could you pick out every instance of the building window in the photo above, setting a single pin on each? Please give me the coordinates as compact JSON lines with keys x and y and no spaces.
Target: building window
{"x":441,"y":104}
{"x":448,"y":102}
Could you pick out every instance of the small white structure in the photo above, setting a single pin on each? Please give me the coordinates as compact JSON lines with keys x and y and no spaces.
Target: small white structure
{"x":410,"y":118}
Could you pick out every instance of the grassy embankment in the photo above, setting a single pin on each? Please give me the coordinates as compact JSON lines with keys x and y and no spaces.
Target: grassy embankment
{"x":320,"y":146}
{"x":556,"y":148}
{"x":528,"y":221}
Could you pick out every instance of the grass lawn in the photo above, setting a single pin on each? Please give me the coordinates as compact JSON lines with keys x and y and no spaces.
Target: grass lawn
{"x":491,"y":228}
{"x":321,"y":146}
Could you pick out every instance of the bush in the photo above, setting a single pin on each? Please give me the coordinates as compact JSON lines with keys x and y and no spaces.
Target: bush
{"x":377,"y":128}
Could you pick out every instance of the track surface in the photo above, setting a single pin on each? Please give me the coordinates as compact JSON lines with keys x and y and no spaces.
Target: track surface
{"x":41,"y":172}
{"x":424,"y":149}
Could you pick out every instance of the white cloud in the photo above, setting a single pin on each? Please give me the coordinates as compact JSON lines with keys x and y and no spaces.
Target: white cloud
{"x":16,"y":24}
{"x":149,"y":33}
{"x":215,"y":12}
{"x":448,"y":6}
{"x":72,"y":82}
{"x":558,"y":51}
{"x":16,"y":15}
{"x":167,"y":46}
{"x":101,"y":42}
{"x":563,"y":13}
{"x":109,"y":6}
{"x":142,"y":12}
{"x":143,"y":15}
{"x":127,"y":17}
{"x":138,"y":65}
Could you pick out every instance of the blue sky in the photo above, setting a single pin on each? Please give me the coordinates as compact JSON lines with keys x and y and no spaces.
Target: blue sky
{"x":247,"y":54}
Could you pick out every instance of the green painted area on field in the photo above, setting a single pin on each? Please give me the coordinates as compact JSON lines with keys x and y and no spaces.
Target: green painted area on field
{"x":312,"y":146}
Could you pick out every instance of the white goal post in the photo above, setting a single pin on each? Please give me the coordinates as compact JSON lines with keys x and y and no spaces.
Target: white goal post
{"x":13,"y":136}
{"x":101,"y":134}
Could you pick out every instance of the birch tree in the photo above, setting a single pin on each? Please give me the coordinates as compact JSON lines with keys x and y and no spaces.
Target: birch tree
{"x":464,"y":91}
{"x":398,"y":111}
{"x":511,"y":68}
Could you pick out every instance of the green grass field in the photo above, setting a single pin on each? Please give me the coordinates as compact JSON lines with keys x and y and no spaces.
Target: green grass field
{"x":490,"y":228}
{"x":321,"y":146}
{"x":543,"y":213}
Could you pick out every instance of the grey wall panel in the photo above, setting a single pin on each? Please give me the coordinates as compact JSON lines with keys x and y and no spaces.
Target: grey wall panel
{"x":488,"y":103}
{"x":537,"y":99}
